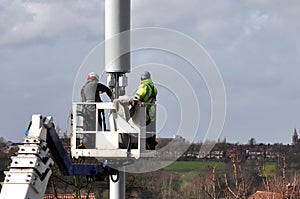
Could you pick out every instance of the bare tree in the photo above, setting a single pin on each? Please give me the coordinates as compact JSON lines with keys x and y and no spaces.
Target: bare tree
{"x":212,"y":187}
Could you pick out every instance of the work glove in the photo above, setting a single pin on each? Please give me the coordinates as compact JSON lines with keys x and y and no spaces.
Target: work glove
{"x":133,"y":101}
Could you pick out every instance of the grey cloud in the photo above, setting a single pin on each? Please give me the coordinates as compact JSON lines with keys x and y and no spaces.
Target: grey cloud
{"x":25,"y":20}
{"x":255,"y":43}
{"x":161,"y":12}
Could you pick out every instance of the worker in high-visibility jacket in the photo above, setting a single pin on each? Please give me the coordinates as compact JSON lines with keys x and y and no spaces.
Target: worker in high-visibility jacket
{"x":147,"y":93}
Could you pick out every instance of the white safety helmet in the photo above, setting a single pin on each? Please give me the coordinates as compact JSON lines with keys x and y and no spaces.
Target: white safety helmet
{"x":93,"y":76}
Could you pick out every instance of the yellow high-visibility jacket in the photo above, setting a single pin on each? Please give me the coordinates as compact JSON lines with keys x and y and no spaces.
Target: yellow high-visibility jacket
{"x":147,"y":92}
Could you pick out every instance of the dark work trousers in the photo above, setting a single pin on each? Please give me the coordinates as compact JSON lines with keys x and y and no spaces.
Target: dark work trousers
{"x":101,"y":119}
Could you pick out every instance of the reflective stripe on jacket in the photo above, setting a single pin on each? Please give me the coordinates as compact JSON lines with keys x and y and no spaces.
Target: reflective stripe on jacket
{"x":146,"y":91}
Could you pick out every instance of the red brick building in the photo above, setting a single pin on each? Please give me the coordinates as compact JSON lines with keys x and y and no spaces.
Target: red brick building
{"x":69,"y":196}
{"x":265,"y":195}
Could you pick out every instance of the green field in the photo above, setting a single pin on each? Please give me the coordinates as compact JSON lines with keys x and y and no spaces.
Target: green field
{"x":269,"y":169}
{"x":188,"y":166}
{"x":189,"y":170}
{"x":185,"y":167}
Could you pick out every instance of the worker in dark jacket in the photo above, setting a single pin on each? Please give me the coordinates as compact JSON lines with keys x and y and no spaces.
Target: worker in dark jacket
{"x":90,"y":92}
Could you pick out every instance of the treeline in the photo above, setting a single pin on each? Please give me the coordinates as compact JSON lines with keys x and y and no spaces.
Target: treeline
{"x":239,"y":178}
{"x":4,"y":158}
{"x":236,"y":180}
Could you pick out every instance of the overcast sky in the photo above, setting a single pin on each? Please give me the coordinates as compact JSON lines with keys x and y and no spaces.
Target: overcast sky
{"x":254,"y":43}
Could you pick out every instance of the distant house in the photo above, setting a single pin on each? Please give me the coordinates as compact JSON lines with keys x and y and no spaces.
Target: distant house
{"x":69,"y":196}
{"x":254,"y":154}
{"x":216,"y":155}
{"x":265,"y":195}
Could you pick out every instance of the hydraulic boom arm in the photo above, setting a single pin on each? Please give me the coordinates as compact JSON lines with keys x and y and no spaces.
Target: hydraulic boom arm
{"x":30,"y":170}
